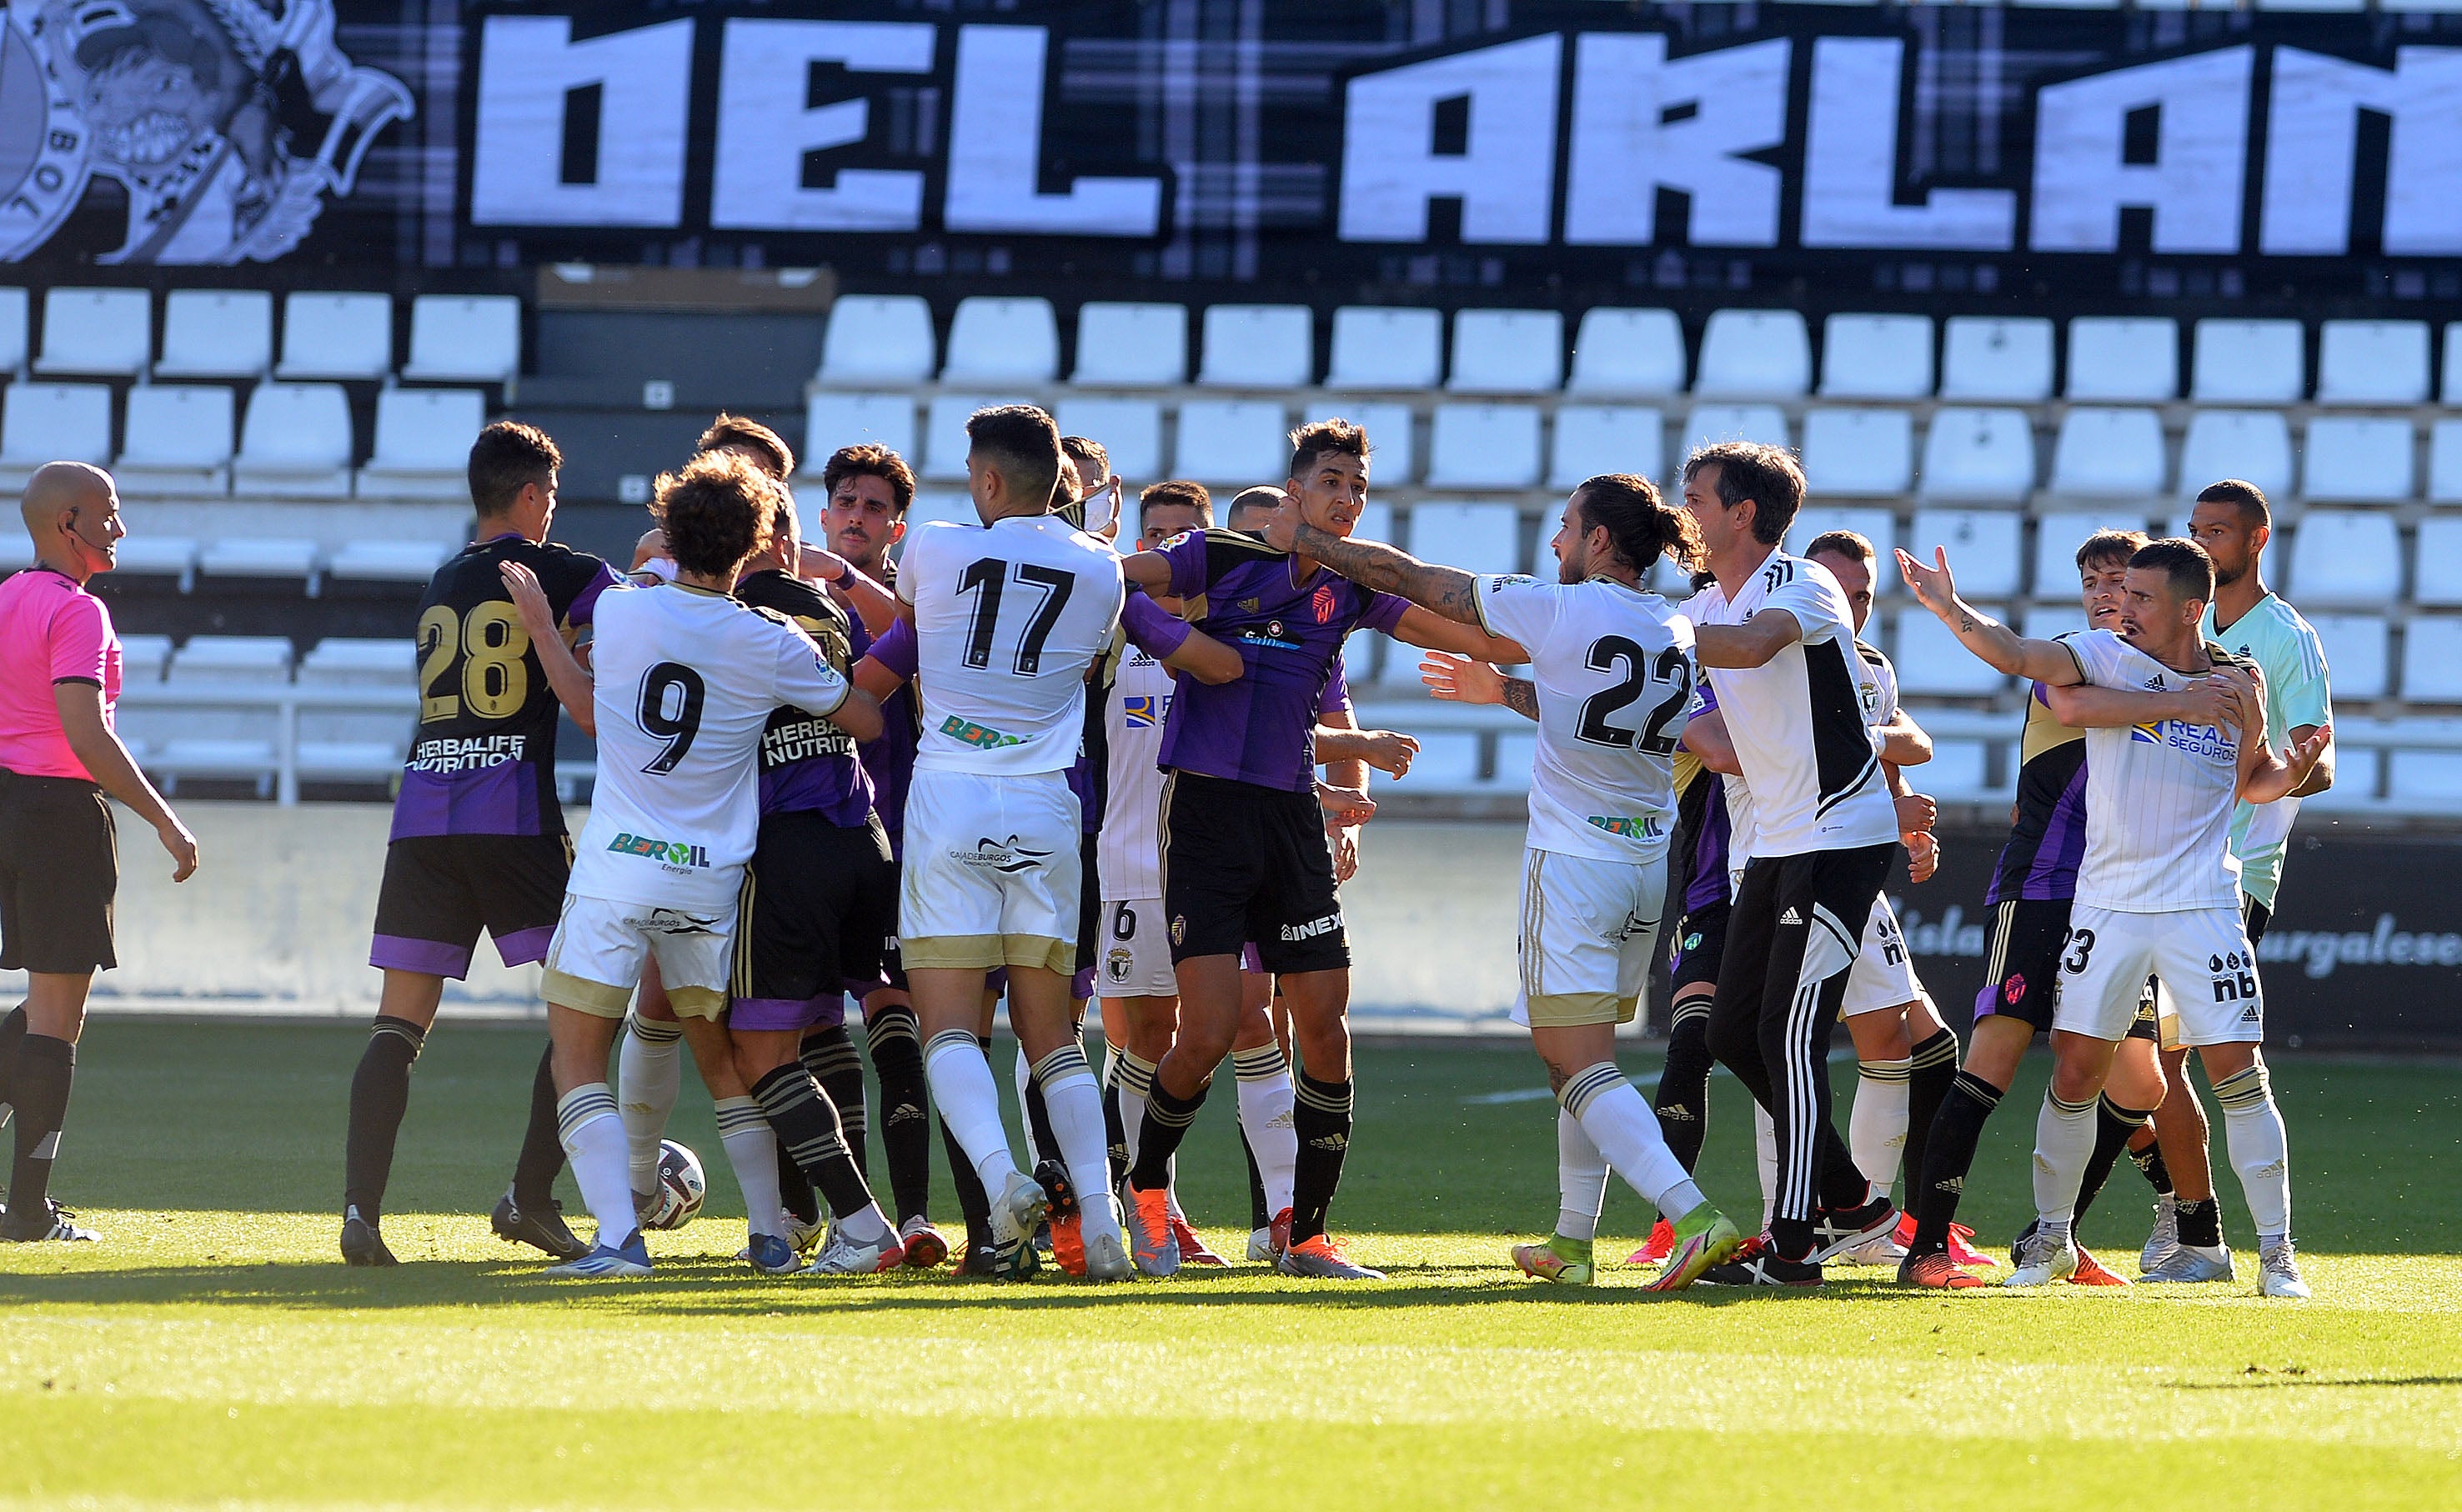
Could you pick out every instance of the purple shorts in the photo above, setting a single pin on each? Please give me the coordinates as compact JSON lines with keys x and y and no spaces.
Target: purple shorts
{"x":1250,"y":962}
{"x":827,"y":1011}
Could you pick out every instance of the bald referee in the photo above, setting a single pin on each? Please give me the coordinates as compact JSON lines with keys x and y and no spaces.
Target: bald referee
{"x":59,"y":854}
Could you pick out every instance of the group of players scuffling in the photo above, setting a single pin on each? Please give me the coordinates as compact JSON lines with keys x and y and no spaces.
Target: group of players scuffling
{"x":1019,"y":762}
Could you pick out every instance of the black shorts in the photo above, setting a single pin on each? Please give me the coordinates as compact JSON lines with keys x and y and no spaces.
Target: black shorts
{"x":440,"y":890}
{"x":59,"y":870}
{"x":2253,"y":916}
{"x":818,"y":898}
{"x":1701,"y":944}
{"x":1243,"y":863}
{"x":2020,"y":973}
{"x":1089,"y":904}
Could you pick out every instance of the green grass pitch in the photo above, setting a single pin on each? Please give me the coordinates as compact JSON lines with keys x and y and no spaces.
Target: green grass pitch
{"x":213,"y":1349}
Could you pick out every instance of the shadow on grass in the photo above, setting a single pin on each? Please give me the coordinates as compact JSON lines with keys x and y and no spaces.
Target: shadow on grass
{"x":2281,"y":1383}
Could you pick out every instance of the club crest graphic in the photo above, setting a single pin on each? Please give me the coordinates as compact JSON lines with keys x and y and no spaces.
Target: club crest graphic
{"x":228,"y":122}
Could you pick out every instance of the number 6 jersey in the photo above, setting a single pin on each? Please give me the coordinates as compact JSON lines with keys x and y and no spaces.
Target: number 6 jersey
{"x":686,"y":679}
{"x":1613,"y":666}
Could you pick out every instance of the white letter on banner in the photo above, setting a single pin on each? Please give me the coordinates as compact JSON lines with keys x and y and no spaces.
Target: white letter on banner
{"x":2312,"y":140}
{"x":996,"y":150}
{"x":1641,"y":123}
{"x":2200,"y":165}
{"x":1505,"y":176}
{"x":526,"y":66}
{"x":1851,"y":162}
{"x":765,"y":129}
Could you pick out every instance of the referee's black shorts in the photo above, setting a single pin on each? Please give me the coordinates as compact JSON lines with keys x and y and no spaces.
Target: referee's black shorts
{"x":59,"y":872}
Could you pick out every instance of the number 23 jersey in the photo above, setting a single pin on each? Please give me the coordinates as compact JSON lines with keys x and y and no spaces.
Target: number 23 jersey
{"x":1614,"y":667}
{"x":687,"y":681}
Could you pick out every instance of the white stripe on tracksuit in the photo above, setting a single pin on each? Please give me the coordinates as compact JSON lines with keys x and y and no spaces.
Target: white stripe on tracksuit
{"x":1829,"y":951}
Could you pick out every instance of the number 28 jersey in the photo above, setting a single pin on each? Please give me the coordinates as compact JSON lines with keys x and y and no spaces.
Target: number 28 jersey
{"x":1614,"y":667}
{"x":1007,"y":620}
{"x":687,"y":681}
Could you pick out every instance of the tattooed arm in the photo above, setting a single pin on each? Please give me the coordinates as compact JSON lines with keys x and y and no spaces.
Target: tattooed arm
{"x":1999,"y":647}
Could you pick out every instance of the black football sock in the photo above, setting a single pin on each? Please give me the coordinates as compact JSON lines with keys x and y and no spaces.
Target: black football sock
{"x":1038,"y":1124}
{"x":2113,"y":1124}
{"x":1932,"y":1070}
{"x":1949,"y":1155}
{"x":1166,"y":1123}
{"x":2149,"y":1164}
{"x":542,"y":1157}
{"x":1321,"y":1115}
{"x":2201,"y":1224}
{"x":808,"y":1126}
{"x":829,"y":1055}
{"x":794,"y":1190}
{"x":13,"y":1033}
{"x":972,"y":1204}
{"x":380,"y":1096}
{"x":1683,"y":1101}
{"x":1116,"y":1135}
{"x":1257,"y":1217}
{"x":46,"y":1066}
{"x":905,"y":1117}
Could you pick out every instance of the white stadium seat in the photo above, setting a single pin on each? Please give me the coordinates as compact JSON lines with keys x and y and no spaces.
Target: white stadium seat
{"x":1448,"y":760}
{"x":2358,"y":773}
{"x":2355,"y":654}
{"x":269,"y":559}
{"x":1483,"y":447}
{"x":1233,"y":443}
{"x":945,"y":443}
{"x":1375,"y":524}
{"x":1394,"y":454}
{"x":940,"y":504}
{"x":2352,"y":460}
{"x":2450,"y":384}
{"x":1628,"y":352}
{"x":101,"y":331}
{"x":874,"y":340}
{"x":1003,"y":340}
{"x":2345,"y":556}
{"x":2045,"y":621}
{"x":2439,"y":549}
{"x":1717,"y":423}
{"x":1129,"y":429}
{"x":1876,"y":356}
{"x":1258,"y":346}
{"x":1929,"y":660}
{"x":2109,"y":453}
{"x":1508,"y":352}
{"x":351,"y":745}
{"x":349,"y":661}
{"x":2422,"y":774}
{"x":1482,"y":538}
{"x":232,"y":658}
{"x":2122,"y":358}
{"x":465,"y":339}
{"x":2249,"y":363}
{"x":1997,"y":357}
{"x":1876,"y":525}
{"x":2056,"y":539}
{"x":295,"y":441}
{"x":1515,"y":756}
{"x":143,"y":658}
{"x":1858,"y":453}
{"x":2254,"y":444}
{"x":150,"y":555}
{"x":2432,"y":659}
{"x":1957,"y":767}
{"x":1132,"y":345}
{"x":336,"y":336}
{"x":1984,"y":547}
{"x":1386,"y":347}
{"x":14,"y":306}
{"x":2445,"y":462}
{"x":388,"y":561}
{"x":1754,"y":353}
{"x":2372,"y":362}
{"x":1986,"y":455}
{"x":835,"y":418}
{"x":422,"y":444}
{"x":177,"y":440}
{"x":217,"y":332}
{"x":42,"y":423}
{"x":1591,"y":440}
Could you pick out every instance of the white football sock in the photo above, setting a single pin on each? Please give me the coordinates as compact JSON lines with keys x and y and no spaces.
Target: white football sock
{"x":649,"y":1071}
{"x":752,"y":1150}
{"x":2063,"y":1144}
{"x":2259,"y":1149}
{"x":593,"y":1143}
{"x":1074,"y":1106}
{"x":1766,"y":1154}
{"x":1266,"y":1117}
{"x":1135,"y":1080}
{"x":1581,"y":1178}
{"x":1876,"y":1128}
{"x":1624,"y":1129}
{"x":969,"y":1101}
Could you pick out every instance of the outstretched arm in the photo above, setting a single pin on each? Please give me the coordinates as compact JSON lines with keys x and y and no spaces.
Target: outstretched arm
{"x":1749,"y":644}
{"x":1904,"y":742}
{"x":2001,"y":648}
{"x":1448,"y":591}
{"x":1706,"y":736}
{"x":1426,"y":629}
{"x":571,"y":680}
{"x":2084,"y":706}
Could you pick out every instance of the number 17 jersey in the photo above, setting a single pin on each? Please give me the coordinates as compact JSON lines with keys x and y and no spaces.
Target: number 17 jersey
{"x":1614,"y":672}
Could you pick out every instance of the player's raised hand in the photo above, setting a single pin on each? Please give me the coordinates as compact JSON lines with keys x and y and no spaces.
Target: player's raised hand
{"x":2304,"y":755}
{"x":1389,"y":751}
{"x":651,"y":547}
{"x":1460,"y":680}
{"x":530,"y":599}
{"x":1345,"y":806}
{"x":819,"y":564}
{"x":1932,"y":586}
{"x":183,"y":846}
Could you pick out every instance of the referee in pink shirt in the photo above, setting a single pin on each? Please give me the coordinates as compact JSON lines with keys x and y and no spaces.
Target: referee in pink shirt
{"x":59,"y":851}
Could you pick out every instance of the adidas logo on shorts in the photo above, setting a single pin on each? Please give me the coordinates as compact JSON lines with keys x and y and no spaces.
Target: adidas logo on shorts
{"x":1790,"y":917}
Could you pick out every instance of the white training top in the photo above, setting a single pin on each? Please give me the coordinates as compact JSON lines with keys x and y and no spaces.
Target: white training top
{"x":1798,"y":719}
{"x":1008,"y":618}
{"x":2158,"y":796}
{"x":687,"y":681}
{"x":1877,"y":685}
{"x":1615,"y":673}
{"x":1128,"y":855}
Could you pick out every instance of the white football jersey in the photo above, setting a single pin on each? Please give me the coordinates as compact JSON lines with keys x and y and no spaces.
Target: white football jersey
{"x":1798,"y":719}
{"x":687,"y":681}
{"x":2158,"y":796}
{"x":1876,"y":685}
{"x":1613,"y":668}
{"x":1129,"y":854}
{"x":1008,"y":618}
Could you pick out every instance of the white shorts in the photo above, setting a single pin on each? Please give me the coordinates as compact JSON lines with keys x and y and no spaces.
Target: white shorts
{"x":594,"y":960}
{"x":991,"y":873}
{"x":1135,"y":951}
{"x":1587,"y":927}
{"x":1884,"y":976}
{"x":2201,"y":955}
